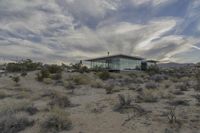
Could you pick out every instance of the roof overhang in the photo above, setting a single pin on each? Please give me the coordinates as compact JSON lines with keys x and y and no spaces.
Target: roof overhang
{"x":116,"y":56}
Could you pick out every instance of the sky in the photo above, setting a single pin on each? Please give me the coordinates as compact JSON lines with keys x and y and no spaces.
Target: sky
{"x":55,"y":31}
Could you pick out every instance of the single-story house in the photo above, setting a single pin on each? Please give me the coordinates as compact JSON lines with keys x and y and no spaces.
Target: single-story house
{"x":120,"y":62}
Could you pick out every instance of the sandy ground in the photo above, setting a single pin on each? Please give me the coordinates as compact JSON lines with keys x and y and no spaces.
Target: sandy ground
{"x":93,"y":110}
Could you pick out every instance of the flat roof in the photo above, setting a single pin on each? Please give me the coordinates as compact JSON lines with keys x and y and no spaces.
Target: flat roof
{"x":114,"y":56}
{"x":152,"y":61}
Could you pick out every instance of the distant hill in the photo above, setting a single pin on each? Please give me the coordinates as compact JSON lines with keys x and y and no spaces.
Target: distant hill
{"x":174,"y":65}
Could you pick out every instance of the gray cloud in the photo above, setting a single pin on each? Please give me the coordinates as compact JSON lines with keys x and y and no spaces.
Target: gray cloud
{"x":70,"y":30}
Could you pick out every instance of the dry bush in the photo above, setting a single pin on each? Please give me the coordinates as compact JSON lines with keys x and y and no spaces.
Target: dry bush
{"x":3,"y":95}
{"x":14,"y":124}
{"x":197,"y":97}
{"x":151,"y":85}
{"x":56,"y":76}
{"x":109,"y":89}
{"x":47,"y":81}
{"x":148,"y":96}
{"x":70,"y":86}
{"x":104,"y":75}
{"x":60,"y":100}
{"x":97,"y":83}
{"x":81,"y":79}
{"x":179,"y":102}
{"x":31,"y":110}
{"x":198,"y":80}
{"x":183,"y":86}
{"x":16,"y":79}
{"x":56,"y":121}
{"x":124,"y":103}
{"x":158,"y":77}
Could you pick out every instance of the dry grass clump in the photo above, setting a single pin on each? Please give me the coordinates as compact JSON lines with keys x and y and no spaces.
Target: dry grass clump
{"x":151,"y":85}
{"x":148,"y":96}
{"x":3,"y":95}
{"x":158,"y":77}
{"x":179,"y":102}
{"x":14,"y":123}
{"x":109,"y":89}
{"x":197,"y":97}
{"x":70,"y":86}
{"x":16,"y":79}
{"x":124,"y":103}
{"x":97,"y":83}
{"x":81,"y":79}
{"x":183,"y":86}
{"x":56,"y":120}
{"x":60,"y":100}
{"x":47,"y":81}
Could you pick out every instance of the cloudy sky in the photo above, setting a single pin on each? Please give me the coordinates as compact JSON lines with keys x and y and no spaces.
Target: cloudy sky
{"x":69,"y":30}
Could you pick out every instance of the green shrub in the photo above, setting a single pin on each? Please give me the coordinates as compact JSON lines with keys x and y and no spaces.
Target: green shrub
{"x":54,"y":69}
{"x":23,"y":74}
{"x":44,"y":73}
{"x":104,"y":75}
{"x":24,"y":65}
{"x":16,"y":79}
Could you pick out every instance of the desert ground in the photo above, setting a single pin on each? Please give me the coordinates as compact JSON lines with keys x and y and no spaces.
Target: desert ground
{"x":100,"y":102}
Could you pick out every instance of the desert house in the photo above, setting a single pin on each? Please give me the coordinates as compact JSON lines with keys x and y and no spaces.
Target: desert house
{"x":120,"y":62}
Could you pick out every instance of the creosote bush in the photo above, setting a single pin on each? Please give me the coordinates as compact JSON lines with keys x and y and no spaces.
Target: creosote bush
{"x":104,"y":75}
{"x":16,"y":79}
{"x":56,"y":121}
{"x":14,"y":124}
{"x":60,"y":100}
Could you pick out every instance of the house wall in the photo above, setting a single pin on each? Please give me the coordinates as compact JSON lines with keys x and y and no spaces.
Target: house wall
{"x":117,"y":63}
{"x":129,"y":64}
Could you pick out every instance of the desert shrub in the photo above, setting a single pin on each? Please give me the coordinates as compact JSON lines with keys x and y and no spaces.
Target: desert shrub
{"x":148,"y":96}
{"x":104,"y":75}
{"x":24,"y":65}
{"x":184,"y":86}
{"x":198,"y":80}
{"x":47,"y":81}
{"x":124,"y":102}
{"x":81,"y":79}
{"x":97,"y":83}
{"x":31,"y":110}
{"x":56,"y":121}
{"x":197,"y":97}
{"x":14,"y":124}
{"x":151,"y":85}
{"x":179,"y":102}
{"x":109,"y":89}
{"x":56,"y":76}
{"x":16,"y":79}
{"x":54,"y":69}
{"x":23,"y":74}
{"x":70,"y":86}
{"x":60,"y":100}
{"x":44,"y":73}
{"x":171,"y":115}
{"x":154,"y":69}
{"x":3,"y":95}
{"x":158,"y":77}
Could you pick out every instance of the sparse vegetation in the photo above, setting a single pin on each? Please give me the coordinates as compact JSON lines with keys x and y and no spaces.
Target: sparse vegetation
{"x":104,"y":75}
{"x":16,"y":79}
{"x":14,"y":124}
{"x":60,"y":100}
{"x":56,"y":121}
